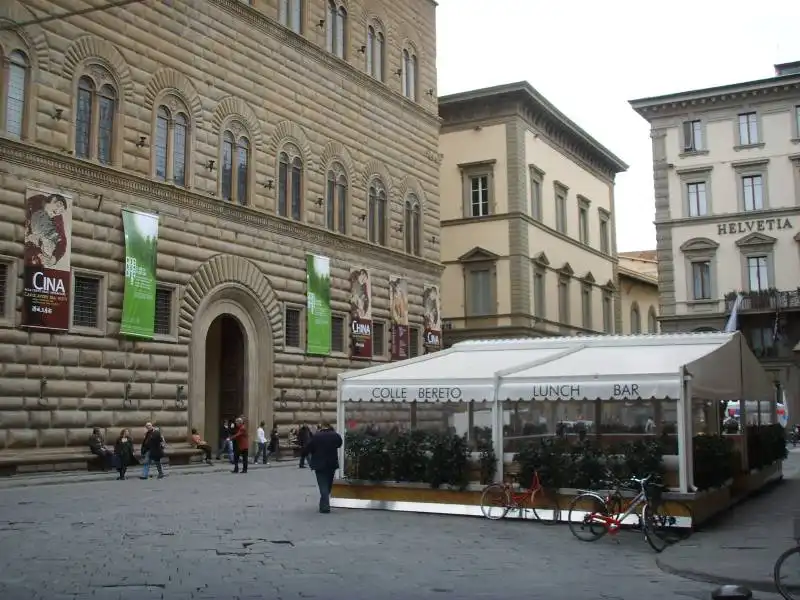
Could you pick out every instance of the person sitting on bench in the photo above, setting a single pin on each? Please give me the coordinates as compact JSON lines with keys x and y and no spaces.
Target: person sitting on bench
{"x":97,"y":446}
{"x":201,"y":444}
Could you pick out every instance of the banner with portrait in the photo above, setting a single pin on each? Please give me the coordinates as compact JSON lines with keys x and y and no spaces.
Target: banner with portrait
{"x":398,"y":304}
{"x":360,"y":313}
{"x":139,"y":298}
{"x":47,"y":281}
{"x":318,"y":304}
{"x":432,"y":318}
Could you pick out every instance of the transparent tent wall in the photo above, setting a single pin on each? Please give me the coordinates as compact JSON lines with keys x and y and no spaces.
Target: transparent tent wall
{"x":392,"y":420}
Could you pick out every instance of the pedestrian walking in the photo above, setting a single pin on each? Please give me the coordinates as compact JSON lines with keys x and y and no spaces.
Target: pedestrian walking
{"x":201,"y":444}
{"x":241,"y":445}
{"x":303,"y":436}
{"x":323,"y":450}
{"x":274,"y":443}
{"x":123,"y":453}
{"x":224,"y":440}
{"x":261,"y":442}
{"x":152,"y":451}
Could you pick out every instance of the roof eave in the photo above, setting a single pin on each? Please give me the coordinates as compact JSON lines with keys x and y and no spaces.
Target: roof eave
{"x":618,"y":165}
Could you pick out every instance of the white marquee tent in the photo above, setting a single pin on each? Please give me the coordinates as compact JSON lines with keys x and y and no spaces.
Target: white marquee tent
{"x":711,"y":366}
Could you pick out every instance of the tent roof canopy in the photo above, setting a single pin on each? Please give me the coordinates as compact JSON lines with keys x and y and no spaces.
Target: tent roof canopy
{"x":568,"y":368}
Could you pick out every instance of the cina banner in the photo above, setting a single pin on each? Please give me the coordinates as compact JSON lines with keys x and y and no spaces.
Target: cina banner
{"x":318,"y":304}
{"x":139,"y":300}
{"x":48,"y":244}
{"x":432,"y":318}
{"x":360,"y":313}
{"x":398,"y":303}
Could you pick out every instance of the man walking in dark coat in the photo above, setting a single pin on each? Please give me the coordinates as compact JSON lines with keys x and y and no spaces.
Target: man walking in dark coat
{"x":323,"y":450}
{"x":303,"y":435}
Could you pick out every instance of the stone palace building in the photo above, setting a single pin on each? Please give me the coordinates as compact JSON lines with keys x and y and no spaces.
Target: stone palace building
{"x":258,"y":132}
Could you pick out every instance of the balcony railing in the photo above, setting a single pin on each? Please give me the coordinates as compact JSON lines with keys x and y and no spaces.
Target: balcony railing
{"x":764,"y":301}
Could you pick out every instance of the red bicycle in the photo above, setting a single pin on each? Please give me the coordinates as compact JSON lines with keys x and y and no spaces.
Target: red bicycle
{"x":497,"y":499}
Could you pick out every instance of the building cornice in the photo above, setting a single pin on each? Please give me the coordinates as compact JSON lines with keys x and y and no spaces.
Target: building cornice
{"x":308,"y":48}
{"x":708,"y":98}
{"x":754,"y":215}
{"x":42,"y":159}
{"x":640,"y":277}
{"x":535,"y":109}
{"x":530,"y":221}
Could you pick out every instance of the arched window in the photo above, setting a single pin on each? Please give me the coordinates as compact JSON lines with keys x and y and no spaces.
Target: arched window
{"x":652,"y":320}
{"x":336,"y":29}
{"x":636,"y":320}
{"x":409,"y":75}
{"x":14,"y":87}
{"x":95,"y":119}
{"x":375,"y":51}
{"x":336,"y":199}
{"x":290,"y":14}
{"x":170,"y":139}
{"x":412,"y":224}
{"x":377,"y":210}
{"x":242,"y":169}
{"x":226,"y":166}
{"x":290,"y":183}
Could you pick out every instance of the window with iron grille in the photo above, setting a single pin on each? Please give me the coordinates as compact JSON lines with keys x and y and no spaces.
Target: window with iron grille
{"x":337,"y":333}
{"x":3,"y":288}
{"x":85,"y":301}
{"x":292,"y":333}
{"x":378,"y":338}
{"x":163,"y":317}
{"x":413,"y":342}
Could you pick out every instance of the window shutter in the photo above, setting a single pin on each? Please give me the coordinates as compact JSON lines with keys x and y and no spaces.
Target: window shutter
{"x":688,"y":141}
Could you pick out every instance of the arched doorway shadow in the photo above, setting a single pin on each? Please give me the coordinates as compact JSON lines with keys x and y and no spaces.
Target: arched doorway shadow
{"x":230,"y":312}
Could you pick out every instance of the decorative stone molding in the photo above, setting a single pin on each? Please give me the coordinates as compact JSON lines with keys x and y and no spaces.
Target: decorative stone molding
{"x":567,"y":270}
{"x":375,"y":168}
{"x":88,"y":173}
{"x":756,"y":239}
{"x":410,"y":185}
{"x":171,"y":81}
{"x":336,"y":152}
{"x":34,"y":37}
{"x":90,"y":48}
{"x":222,"y":269}
{"x":232,"y":107}
{"x":290,"y":132}
{"x":541,"y":259}
{"x":699,"y":244}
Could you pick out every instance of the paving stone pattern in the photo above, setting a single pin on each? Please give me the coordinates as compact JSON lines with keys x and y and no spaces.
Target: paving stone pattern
{"x":221,"y":536}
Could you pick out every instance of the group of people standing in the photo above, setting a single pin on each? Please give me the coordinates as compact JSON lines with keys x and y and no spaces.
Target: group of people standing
{"x":122,"y":455}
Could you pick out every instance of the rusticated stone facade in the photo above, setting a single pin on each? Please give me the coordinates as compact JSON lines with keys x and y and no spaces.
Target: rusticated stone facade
{"x":228,"y":66}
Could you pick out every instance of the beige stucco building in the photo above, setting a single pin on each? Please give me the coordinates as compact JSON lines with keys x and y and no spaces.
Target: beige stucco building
{"x":638,"y":291}
{"x":726,"y":165}
{"x":258,"y":132}
{"x":527,"y":210}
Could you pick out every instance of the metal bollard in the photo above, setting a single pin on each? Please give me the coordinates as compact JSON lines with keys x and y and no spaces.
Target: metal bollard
{"x":732,"y":592}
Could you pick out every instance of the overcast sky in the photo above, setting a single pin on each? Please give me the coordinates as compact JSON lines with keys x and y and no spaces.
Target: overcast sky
{"x":590,"y":58}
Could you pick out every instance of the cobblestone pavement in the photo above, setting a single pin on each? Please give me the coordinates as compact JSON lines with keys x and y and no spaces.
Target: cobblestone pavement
{"x":223,"y":536}
{"x":743,"y":545}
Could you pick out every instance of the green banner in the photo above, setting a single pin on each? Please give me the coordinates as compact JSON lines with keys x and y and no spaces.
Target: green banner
{"x":139,"y":302}
{"x":318,"y":278}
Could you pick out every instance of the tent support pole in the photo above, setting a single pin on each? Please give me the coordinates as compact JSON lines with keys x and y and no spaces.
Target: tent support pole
{"x":341,"y":427}
{"x":684,"y":414}
{"x":497,"y":430}
{"x":743,"y":409}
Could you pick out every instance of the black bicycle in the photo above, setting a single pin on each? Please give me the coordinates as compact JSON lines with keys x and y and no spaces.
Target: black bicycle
{"x":787,"y":568}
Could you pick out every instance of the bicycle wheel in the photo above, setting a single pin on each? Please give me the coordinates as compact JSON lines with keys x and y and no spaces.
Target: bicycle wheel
{"x":548,"y":511}
{"x":672,"y":521}
{"x":787,"y":574}
{"x":650,"y":527}
{"x":583,"y":514}
{"x":495,"y":501}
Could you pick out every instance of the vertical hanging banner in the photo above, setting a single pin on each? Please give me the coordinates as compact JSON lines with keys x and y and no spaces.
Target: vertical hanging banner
{"x":360,"y":313}
{"x":318,"y":304}
{"x":139,"y":300}
{"x":398,"y":303}
{"x":48,"y":243}
{"x":432,"y":317}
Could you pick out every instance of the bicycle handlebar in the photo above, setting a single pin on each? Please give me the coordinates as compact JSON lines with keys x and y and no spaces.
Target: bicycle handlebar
{"x":615,"y":482}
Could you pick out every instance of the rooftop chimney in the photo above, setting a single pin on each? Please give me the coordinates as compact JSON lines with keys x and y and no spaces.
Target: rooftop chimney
{"x":791,"y":68}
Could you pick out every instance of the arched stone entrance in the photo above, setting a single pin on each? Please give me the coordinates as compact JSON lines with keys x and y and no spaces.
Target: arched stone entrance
{"x":230,"y":301}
